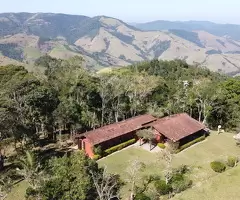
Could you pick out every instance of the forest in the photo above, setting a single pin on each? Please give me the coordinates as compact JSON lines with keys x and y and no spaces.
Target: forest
{"x":69,"y":98}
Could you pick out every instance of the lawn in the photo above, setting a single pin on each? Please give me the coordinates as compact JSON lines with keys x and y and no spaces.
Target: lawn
{"x":215,"y":147}
{"x":221,"y":187}
{"x":18,"y":192}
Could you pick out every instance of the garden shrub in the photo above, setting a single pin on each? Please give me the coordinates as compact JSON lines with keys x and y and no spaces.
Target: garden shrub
{"x":161,"y":145}
{"x":190,"y":143}
{"x":232,"y":161}
{"x":96,"y":157}
{"x":218,"y":166}
{"x":98,"y":150}
{"x":162,"y":188}
{"x":141,"y":196}
{"x":120,"y":146}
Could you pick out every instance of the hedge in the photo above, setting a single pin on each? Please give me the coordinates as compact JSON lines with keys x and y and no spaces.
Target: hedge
{"x":161,"y":145}
{"x":96,"y":157}
{"x":119,"y":147}
{"x":218,"y":166}
{"x":190,"y":143}
{"x":141,"y":196}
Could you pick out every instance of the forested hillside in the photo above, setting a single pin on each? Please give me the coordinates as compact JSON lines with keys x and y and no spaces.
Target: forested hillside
{"x":70,"y":97}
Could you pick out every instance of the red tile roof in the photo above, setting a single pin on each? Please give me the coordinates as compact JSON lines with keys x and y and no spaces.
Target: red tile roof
{"x":111,"y":131}
{"x":177,"y":127}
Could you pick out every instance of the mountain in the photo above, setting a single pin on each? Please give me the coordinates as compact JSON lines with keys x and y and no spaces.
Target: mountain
{"x":105,"y":41}
{"x":229,"y":30}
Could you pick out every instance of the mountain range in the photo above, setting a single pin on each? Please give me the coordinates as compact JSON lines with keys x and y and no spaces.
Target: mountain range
{"x":104,"y":41}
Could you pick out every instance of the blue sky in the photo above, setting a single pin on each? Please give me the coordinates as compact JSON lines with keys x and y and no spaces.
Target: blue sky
{"x":222,"y":11}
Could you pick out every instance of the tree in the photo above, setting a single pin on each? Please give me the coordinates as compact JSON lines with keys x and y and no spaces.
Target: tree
{"x":167,"y":157}
{"x":138,"y":87}
{"x":205,"y":93}
{"x":71,"y":177}
{"x":17,"y":121}
{"x":146,"y":134}
{"x":105,"y":94}
{"x":107,"y":185}
{"x":42,"y":102}
{"x":30,"y":169}
{"x":67,"y":113}
{"x":133,"y":170}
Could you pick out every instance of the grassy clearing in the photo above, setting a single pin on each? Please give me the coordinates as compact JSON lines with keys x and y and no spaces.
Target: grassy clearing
{"x":62,"y":52}
{"x":105,"y":70}
{"x":18,"y":192}
{"x":32,"y":53}
{"x":221,"y":187}
{"x":215,"y":147}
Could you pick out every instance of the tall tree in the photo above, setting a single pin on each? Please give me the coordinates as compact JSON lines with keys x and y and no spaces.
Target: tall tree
{"x":30,"y":169}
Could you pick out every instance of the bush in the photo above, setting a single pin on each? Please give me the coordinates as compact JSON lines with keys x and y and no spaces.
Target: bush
{"x":218,"y":166}
{"x":232,"y":161}
{"x":181,"y":185}
{"x":162,"y":188}
{"x":120,"y":146}
{"x":96,"y":157}
{"x":191,"y":143}
{"x":183,"y":169}
{"x":161,"y":145}
{"x":141,"y":197}
{"x":98,"y":150}
{"x":179,"y":182}
{"x":31,"y":193}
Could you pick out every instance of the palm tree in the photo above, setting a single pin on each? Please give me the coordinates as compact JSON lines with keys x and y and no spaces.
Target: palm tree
{"x":30,"y":169}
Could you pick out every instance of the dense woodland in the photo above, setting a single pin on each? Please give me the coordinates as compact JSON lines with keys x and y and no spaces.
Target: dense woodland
{"x":70,"y":98}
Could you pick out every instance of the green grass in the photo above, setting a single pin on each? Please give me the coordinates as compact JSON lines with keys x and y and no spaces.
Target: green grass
{"x":32,"y":53}
{"x":221,"y":187}
{"x":18,"y":191}
{"x":60,"y":51}
{"x":198,"y":156}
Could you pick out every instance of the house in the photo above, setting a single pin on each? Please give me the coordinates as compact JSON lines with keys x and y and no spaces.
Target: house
{"x":113,"y":134}
{"x":177,"y":128}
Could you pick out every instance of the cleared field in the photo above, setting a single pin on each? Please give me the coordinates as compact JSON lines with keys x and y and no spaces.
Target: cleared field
{"x":32,"y":53}
{"x":215,"y":147}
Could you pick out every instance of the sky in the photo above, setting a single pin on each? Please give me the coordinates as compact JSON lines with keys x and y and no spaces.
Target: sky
{"x":220,"y":11}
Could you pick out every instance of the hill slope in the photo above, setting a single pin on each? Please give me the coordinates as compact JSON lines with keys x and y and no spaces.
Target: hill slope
{"x":230,"y":30}
{"x":105,"y":41}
